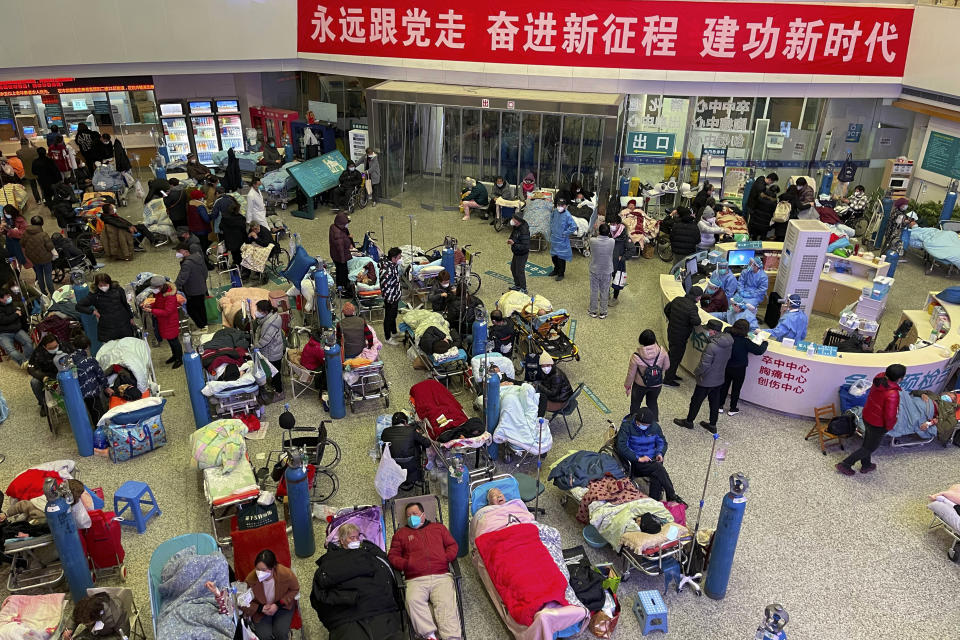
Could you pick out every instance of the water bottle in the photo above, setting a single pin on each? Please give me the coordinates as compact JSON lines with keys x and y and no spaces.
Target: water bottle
{"x":100,"y":438}
{"x":722,"y":449}
{"x":811,"y":350}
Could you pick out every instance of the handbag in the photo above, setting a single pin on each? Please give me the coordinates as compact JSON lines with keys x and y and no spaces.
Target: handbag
{"x":253,"y":515}
{"x":131,"y":440}
{"x":389,"y":475}
{"x":848,"y":171}
{"x":782,"y":212}
{"x":601,"y":625}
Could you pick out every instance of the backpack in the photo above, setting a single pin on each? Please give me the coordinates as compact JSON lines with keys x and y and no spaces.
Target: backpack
{"x":848,"y":171}
{"x":652,"y":376}
{"x":842,"y":425}
{"x":782,"y":212}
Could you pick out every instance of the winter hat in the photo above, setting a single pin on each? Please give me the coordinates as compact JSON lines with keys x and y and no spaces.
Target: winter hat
{"x":644,"y":416}
{"x":545,"y":359}
{"x":901,"y":202}
{"x":518,"y":214}
{"x":715,"y":325}
{"x":157,"y":281}
{"x":708,"y":213}
{"x":795,"y":301}
{"x":349,"y":309}
{"x":196,"y":194}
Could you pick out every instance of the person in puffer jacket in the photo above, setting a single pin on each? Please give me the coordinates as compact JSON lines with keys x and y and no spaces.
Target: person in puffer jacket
{"x":684,"y":232}
{"x":710,"y":375}
{"x":648,"y":354}
{"x":879,"y":417}
{"x":640,"y":441}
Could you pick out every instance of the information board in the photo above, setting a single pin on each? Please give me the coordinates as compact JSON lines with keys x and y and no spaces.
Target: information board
{"x":319,"y":174}
{"x":942,"y":155}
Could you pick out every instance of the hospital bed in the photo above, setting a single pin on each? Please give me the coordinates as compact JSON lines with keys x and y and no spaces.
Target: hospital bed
{"x":366,"y":383}
{"x":33,"y":617}
{"x":444,"y":368}
{"x":502,"y":539}
{"x":367,"y":296}
{"x":946,"y":516}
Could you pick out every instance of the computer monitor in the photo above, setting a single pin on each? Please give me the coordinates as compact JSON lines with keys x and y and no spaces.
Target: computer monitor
{"x":739,"y":257}
{"x":29,"y":132}
{"x":73,"y":127}
{"x":691,"y":267}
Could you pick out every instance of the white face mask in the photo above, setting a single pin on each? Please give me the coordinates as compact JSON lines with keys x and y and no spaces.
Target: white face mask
{"x":260,"y":314}
{"x":546,"y":370}
{"x":355,"y":544}
{"x":104,"y":289}
{"x":155,"y":290}
{"x":15,"y":289}
{"x":514,"y":223}
{"x":445,"y":285}
{"x":180,"y":256}
{"x":263,"y":576}
{"x":561,"y":209}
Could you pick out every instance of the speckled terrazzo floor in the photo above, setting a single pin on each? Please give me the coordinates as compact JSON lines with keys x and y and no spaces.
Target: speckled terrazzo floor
{"x":848,"y":557}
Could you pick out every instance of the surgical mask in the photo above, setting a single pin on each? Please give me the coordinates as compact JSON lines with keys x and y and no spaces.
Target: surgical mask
{"x":155,"y":290}
{"x":260,"y":188}
{"x":180,"y":256}
{"x":946,"y":398}
{"x":499,"y":184}
{"x":351,"y":168}
{"x":561,"y":209}
{"x":98,"y":625}
{"x":273,"y":144}
{"x":414,"y":521}
{"x":643,"y":427}
{"x":7,"y":300}
{"x":263,"y":576}
{"x":445,"y":285}
{"x":353,"y":545}
{"x":104,"y":289}
{"x":260,"y":314}
{"x":15,"y":289}
{"x":546,"y":370}
{"x":52,"y":351}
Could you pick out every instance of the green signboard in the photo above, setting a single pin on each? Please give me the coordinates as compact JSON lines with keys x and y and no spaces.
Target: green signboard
{"x":643,"y":143}
{"x":942,"y":155}
{"x":319,"y":174}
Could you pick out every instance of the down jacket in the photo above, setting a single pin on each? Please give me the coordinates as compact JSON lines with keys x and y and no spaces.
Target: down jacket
{"x":713,"y":362}
{"x":340,"y":241}
{"x":115,"y":313}
{"x":37,"y":245}
{"x":634,"y":442}
{"x":166,"y":310}
{"x":883,"y":401}
{"x":353,"y":584}
{"x":683,"y":316}
{"x":10,"y":320}
{"x":684,"y":236}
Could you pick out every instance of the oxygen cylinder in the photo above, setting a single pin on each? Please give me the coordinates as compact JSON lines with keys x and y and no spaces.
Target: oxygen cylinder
{"x":479,"y":337}
{"x":887,"y":205}
{"x":949,"y":203}
{"x":893,"y":257}
{"x":726,"y":537}
{"x":322,"y":286}
{"x":826,"y":182}
{"x":334,"y":367}
{"x":67,"y":540}
{"x":76,"y":409}
{"x":193,"y":369}
{"x":458,"y":493}
{"x":491,"y":395}
{"x":446,"y":260}
{"x":298,"y":496}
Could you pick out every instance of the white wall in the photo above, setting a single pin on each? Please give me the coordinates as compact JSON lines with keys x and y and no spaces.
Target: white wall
{"x":932,"y":58}
{"x":60,"y":35}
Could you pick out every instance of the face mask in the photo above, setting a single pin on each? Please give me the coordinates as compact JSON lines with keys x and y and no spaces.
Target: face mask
{"x":7,"y":300}
{"x":445,"y":285}
{"x":104,"y":289}
{"x":260,"y":188}
{"x":546,"y":370}
{"x":52,"y":351}
{"x":946,"y":398}
{"x":98,"y":625}
{"x":499,"y":184}
{"x":370,"y":156}
{"x":157,"y":290}
{"x":263,"y":576}
{"x":180,"y":256}
{"x":514,"y":223}
{"x":561,"y":209}
{"x":15,"y":289}
{"x":193,"y":162}
{"x":643,"y":427}
{"x":260,"y":314}
{"x":273,"y":144}
{"x":353,"y":545}
{"x":414,"y":521}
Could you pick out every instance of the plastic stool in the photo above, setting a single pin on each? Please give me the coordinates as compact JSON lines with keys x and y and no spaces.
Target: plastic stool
{"x":132,"y":496}
{"x":671,"y":573}
{"x":650,"y":611}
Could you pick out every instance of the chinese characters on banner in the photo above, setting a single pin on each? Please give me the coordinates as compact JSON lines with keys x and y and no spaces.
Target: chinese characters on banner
{"x":757,"y":37}
{"x":783,"y":376}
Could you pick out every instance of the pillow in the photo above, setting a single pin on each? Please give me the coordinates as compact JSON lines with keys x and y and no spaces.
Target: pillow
{"x":300,"y":263}
{"x":950,"y":295}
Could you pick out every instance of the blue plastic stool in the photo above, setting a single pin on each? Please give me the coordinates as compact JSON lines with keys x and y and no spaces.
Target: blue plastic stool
{"x":131,"y":497}
{"x":650,"y":611}
{"x":671,"y":573}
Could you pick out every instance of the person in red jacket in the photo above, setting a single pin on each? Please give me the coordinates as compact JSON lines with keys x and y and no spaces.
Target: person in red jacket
{"x":198,"y":219}
{"x":166,"y":309}
{"x":879,"y":416}
{"x":423,"y":550}
{"x":312,"y":358}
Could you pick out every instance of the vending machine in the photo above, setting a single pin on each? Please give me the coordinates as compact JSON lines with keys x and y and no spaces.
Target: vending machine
{"x":228,"y":124}
{"x":175,"y":131}
{"x":203,"y":124}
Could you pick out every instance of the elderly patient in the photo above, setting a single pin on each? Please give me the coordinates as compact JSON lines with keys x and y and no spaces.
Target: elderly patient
{"x":495,"y":497}
{"x":423,"y":550}
{"x":355,"y":592}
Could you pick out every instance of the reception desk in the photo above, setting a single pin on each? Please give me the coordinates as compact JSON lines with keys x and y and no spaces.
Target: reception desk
{"x":793,"y":382}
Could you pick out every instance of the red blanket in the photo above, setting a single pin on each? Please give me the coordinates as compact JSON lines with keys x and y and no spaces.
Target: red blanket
{"x":431,"y":400}
{"x":29,"y":484}
{"x":524,"y":574}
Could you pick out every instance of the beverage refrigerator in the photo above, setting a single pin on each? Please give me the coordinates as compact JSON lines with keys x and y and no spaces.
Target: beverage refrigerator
{"x":228,"y":123}
{"x":175,"y":131}
{"x":203,"y":125}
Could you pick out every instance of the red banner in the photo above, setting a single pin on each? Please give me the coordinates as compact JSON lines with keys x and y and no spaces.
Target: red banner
{"x":855,"y":40}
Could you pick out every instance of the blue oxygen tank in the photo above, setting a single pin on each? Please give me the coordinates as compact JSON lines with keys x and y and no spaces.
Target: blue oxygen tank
{"x":458,"y":489}
{"x":826,"y":182}
{"x":322,"y":286}
{"x":726,"y":537}
{"x":76,"y":410}
{"x":491,"y":394}
{"x":893,"y":257}
{"x":887,"y":205}
{"x":446,"y":260}
{"x":67,"y":540}
{"x":479,"y":337}
{"x":88,"y":320}
{"x":949,"y":204}
{"x":624,"y":186}
{"x":193,"y":369}
{"x":334,"y":367}
{"x":298,"y":496}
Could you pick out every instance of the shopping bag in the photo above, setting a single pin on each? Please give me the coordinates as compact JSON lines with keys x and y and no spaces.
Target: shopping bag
{"x":213,"y":310}
{"x":389,"y":475}
{"x":138,"y":187}
{"x":244,"y":632}
{"x":848,"y":171}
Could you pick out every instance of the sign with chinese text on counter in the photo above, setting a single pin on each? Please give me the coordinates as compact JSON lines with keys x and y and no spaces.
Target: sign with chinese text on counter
{"x":756,"y":37}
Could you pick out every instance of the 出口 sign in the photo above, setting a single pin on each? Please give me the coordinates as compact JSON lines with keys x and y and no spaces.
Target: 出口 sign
{"x":642,"y":143}
{"x":759,"y":37}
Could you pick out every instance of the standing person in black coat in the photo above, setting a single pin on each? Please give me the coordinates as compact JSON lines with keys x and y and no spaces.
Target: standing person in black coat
{"x":89,"y":144}
{"x":47,"y":172}
{"x":176,"y":203}
{"x":108,"y":303}
{"x":736,"y":369}
{"x":231,"y":177}
{"x":192,"y":281}
{"x":684,"y":232}
{"x":759,"y":186}
{"x":761,"y":216}
{"x":233,"y":228}
{"x":520,"y":246}
{"x":683,"y":316}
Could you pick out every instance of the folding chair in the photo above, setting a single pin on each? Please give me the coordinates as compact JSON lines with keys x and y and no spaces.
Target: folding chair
{"x":125,"y":596}
{"x":247,"y":544}
{"x":567,"y":409}
{"x":821,"y":419}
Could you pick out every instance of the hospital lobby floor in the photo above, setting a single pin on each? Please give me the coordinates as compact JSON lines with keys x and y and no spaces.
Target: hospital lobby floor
{"x":847,"y":557}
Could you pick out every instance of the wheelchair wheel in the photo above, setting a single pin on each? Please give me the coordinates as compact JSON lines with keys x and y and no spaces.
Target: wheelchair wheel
{"x":279,"y":259}
{"x":58,"y":274}
{"x":331,"y":455}
{"x":325,"y":486}
{"x":362,"y":199}
{"x":498,"y":224}
{"x":473,"y":284}
{"x":664,"y":250}
{"x":860,"y":228}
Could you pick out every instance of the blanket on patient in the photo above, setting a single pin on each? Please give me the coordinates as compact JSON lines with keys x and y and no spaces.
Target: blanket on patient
{"x":432,"y":400}
{"x":911,"y":414}
{"x":512,"y":556}
{"x":419,"y":320}
{"x":132,"y":353}
{"x":518,"y":423}
{"x":942,"y":245}
{"x":188,"y":610}
{"x":513,"y":301}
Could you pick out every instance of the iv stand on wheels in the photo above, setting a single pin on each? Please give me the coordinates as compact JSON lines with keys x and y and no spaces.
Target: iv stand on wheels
{"x":686,"y":578}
